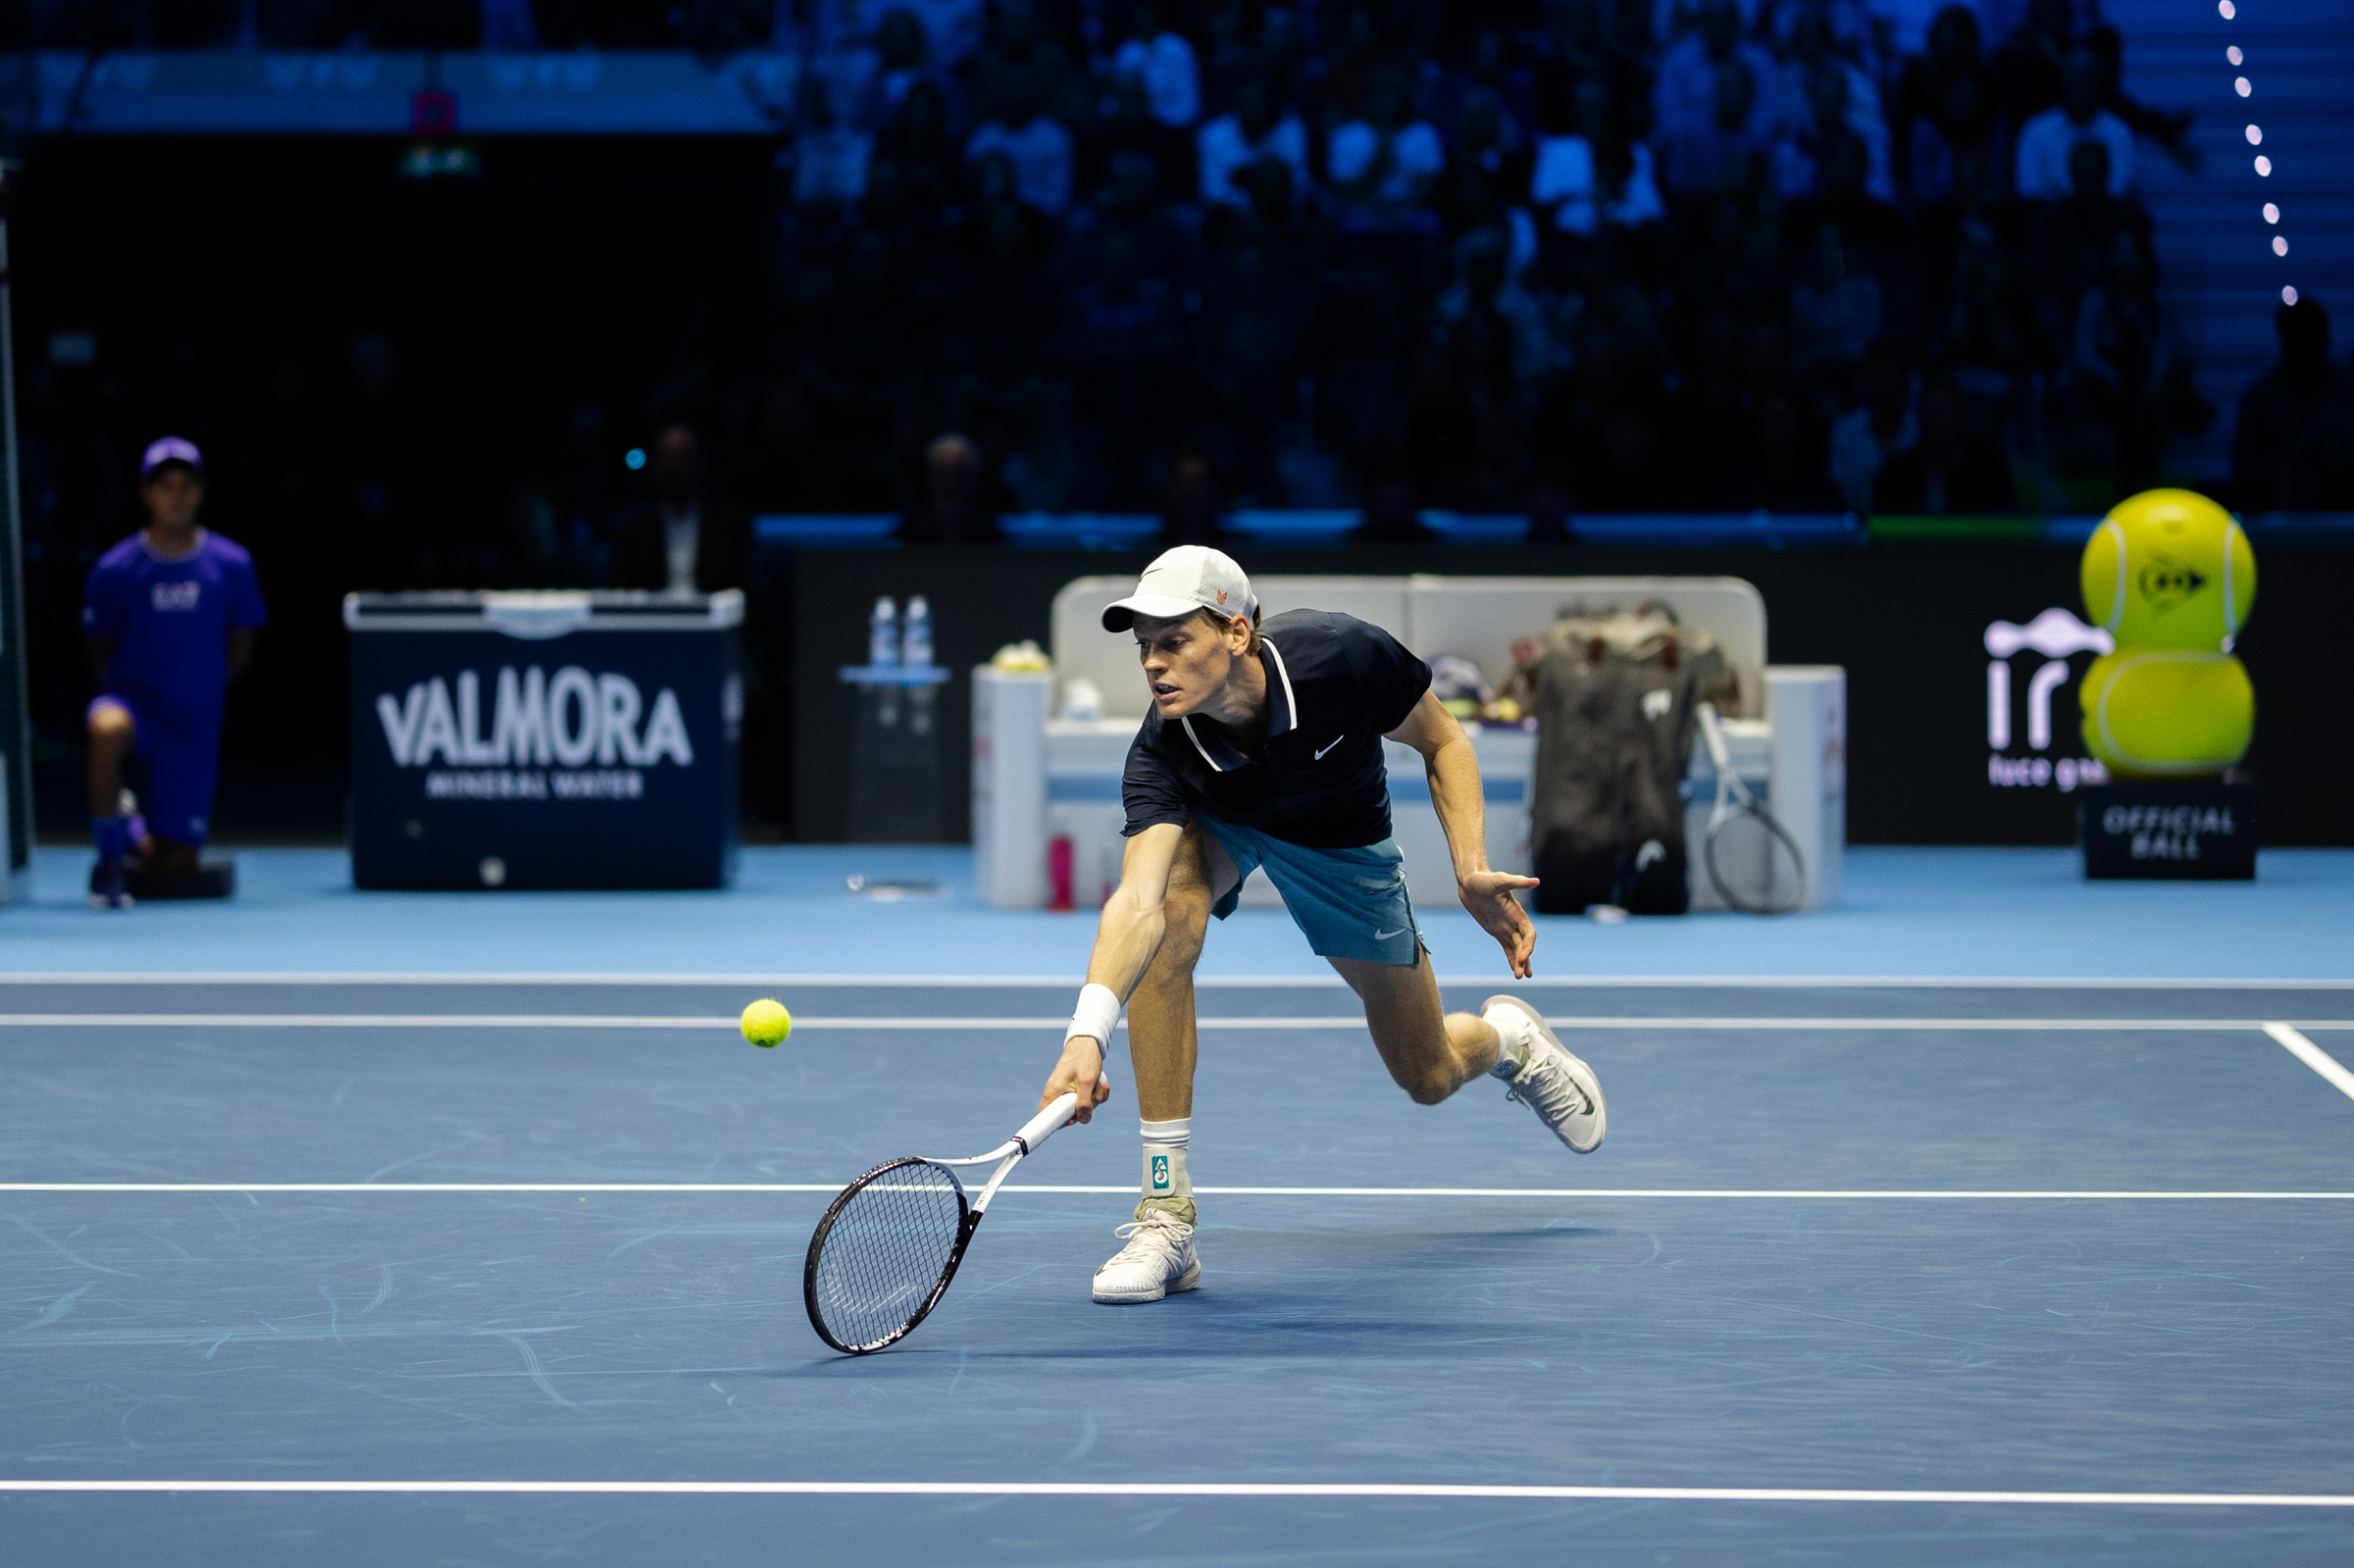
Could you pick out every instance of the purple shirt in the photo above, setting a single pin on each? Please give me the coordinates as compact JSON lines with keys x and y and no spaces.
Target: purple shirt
{"x":170,"y":617}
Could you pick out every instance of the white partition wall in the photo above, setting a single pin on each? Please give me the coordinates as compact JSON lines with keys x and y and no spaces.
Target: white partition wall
{"x":1380,"y":601}
{"x":1809,"y":710}
{"x":1477,"y":618}
{"x":1797,"y":760}
{"x":1084,"y":762}
{"x":1009,"y":787}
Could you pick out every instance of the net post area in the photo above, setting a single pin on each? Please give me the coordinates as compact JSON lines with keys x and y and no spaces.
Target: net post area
{"x":15,"y":730}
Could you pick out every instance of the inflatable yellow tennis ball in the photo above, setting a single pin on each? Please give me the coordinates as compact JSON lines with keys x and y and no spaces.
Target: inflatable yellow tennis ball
{"x":2168,"y":713}
{"x":2172,"y":580}
{"x":766,"y":1021}
{"x":2169,"y":569}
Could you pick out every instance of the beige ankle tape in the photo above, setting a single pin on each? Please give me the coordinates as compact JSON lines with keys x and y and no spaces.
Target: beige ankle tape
{"x":1180,"y":1209}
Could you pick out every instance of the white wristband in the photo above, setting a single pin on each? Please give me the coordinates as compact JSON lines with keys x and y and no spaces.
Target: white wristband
{"x":1098,"y":1011}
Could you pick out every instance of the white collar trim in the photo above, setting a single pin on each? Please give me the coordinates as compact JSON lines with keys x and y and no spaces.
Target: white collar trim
{"x":1188,"y":723}
{"x":1290,"y":713}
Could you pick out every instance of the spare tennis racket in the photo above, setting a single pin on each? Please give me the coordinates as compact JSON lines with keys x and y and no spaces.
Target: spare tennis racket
{"x":888,"y":1246}
{"x":1753,"y":864}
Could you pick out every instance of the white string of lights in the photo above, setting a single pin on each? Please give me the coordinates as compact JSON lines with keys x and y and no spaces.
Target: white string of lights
{"x":2240,"y":85}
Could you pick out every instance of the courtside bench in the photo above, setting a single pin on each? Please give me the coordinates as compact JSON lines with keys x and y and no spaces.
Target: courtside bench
{"x":1038,"y":777}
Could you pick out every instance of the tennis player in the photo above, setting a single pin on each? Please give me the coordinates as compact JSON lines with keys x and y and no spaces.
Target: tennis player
{"x":1263,"y":749}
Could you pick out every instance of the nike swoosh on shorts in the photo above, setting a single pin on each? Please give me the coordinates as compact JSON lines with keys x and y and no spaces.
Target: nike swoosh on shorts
{"x":1328,"y":745}
{"x":1385,"y":935}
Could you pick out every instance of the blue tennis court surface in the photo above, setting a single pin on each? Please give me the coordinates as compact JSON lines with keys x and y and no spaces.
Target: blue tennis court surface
{"x":1956,"y":913}
{"x":1850,"y":1250}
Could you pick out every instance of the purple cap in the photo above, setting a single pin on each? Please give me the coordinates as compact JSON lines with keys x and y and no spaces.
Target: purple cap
{"x":171,"y":449}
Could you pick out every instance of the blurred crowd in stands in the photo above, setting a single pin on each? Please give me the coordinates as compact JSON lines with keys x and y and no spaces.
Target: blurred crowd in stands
{"x":712,"y":26}
{"x":1539,"y":257}
{"x":1583,"y":256}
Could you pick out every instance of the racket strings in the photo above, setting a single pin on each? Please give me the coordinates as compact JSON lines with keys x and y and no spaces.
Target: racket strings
{"x":884,"y":1251}
{"x":1753,"y":863}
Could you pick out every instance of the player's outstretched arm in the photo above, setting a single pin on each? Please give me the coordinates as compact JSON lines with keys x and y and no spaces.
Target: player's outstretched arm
{"x":1454,"y":791}
{"x":1127,"y":936}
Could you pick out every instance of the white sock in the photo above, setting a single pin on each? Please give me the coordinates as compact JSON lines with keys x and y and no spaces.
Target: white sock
{"x":1165,"y":1174}
{"x":1515,"y":1036}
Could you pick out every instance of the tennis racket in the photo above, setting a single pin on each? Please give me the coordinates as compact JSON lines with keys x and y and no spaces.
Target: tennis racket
{"x":1753,"y":864}
{"x":888,"y":1246}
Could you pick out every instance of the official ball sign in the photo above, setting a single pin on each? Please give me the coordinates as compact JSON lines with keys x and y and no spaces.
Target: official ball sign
{"x":608,"y":761}
{"x":2200,"y":830}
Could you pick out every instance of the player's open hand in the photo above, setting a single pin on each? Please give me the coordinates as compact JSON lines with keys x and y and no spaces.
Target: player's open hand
{"x":1488,"y":894}
{"x":1081,"y":1073}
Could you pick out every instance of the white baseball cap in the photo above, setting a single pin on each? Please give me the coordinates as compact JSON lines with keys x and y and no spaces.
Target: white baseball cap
{"x":1188,"y":578}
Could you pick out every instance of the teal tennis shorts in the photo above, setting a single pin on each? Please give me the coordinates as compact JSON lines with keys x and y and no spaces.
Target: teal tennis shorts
{"x":1350,"y":903}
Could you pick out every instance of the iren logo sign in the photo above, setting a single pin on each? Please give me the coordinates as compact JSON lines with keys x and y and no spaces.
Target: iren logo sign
{"x":573,"y":719}
{"x":2057,"y":634}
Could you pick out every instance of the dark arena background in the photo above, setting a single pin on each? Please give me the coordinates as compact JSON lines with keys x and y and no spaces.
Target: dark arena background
{"x":657,"y":428}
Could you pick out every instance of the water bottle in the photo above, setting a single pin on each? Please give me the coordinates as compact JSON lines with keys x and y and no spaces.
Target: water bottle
{"x":883,"y":635}
{"x":1081,"y":700}
{"x":916,"y":640}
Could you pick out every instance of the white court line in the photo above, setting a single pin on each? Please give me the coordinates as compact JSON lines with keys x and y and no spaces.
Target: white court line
{"x":450,"y":1021}
{"x":903,"y":1025}
{"x":2312,"y":1056}
{"x":1200,"y":982}
{"x":1217,"y":1488}
{"x":1832,"y":1194}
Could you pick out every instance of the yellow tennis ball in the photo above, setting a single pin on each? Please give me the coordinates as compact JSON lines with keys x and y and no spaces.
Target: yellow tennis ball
{"x":2169,"y":569}
{"x":766,"y":1021}
{"x":2155,"y":713}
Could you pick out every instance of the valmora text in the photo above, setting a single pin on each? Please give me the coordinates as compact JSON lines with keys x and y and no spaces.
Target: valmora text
{"x":571,"y":719}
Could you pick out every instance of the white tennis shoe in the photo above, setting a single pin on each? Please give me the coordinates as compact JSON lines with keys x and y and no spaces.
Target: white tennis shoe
{"x":1562,"y":1090}
{"x":1158,"y":1260}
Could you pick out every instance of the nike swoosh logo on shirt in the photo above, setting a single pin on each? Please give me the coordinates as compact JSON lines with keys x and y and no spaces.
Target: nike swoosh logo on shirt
{"x":1385,"y":935}
{"x":1328,"y":745}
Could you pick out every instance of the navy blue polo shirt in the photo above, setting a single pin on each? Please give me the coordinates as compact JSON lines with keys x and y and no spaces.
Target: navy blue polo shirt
{"x":1335,"y":687}
{"x":170,"y":617}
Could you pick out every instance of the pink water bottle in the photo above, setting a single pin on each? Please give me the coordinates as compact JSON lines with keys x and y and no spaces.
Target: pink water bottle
{"x":1058,"y":872}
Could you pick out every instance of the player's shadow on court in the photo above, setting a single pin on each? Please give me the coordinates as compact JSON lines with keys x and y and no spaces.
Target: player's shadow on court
{"x":1243,"y":1323}
{"x":1379,"y":1252}
{"x":1271,"y":1293}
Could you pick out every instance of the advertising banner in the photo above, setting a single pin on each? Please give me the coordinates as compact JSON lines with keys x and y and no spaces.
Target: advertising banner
{"x":1942,"y":747}
{"x":2032,"y":737}
{"x":543,"y":739}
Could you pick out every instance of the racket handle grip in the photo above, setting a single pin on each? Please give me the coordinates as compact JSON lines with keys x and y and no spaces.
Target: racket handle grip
{"x":1041,"y":1126}
{"x":1712,"y":731}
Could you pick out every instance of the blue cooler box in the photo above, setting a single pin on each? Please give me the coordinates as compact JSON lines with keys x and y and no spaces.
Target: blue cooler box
{"x":543,"y":739}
